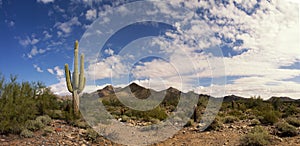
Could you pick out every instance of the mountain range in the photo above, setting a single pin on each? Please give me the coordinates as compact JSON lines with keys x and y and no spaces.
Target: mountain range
{"x":141,"y":92}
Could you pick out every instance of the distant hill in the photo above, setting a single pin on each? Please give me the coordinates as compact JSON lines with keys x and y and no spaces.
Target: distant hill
{"x":171,"y":93}
{"x":284,"y":99}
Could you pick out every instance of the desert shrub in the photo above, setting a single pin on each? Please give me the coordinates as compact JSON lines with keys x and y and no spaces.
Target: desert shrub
{"x":258,"y":136}
{"x":255,"y":102}
{"x":44,"y":119}
{"x":47,"y":130}
{"x":230,"y":119}
{"x":254,"y":122}
{"x":21,"y":102}
{"x":92,"y":135}
{"x":26,"y":133}
{"x":81,"y":124}
{"x":290,"y":111}
{"x":56,"y":114}
{"x":293,"y":121}
{"x":268,"y":117}
{"x":236,"y":113}
{"x":33,"y":125}
{"x":276,"y":103}
{"x":215,"y":125}
{"x":286,"y":130}
{"x":156,"y":113}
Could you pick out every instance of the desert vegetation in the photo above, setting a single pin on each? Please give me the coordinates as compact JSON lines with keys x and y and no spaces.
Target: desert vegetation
{"x":27,"y":108}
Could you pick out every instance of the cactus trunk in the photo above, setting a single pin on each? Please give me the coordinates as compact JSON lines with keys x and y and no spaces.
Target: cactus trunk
{"x":75,"y":102}
{"x":76,"y":83}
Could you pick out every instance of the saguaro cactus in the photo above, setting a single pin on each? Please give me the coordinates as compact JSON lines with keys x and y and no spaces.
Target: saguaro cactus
{"x":78,"y":79}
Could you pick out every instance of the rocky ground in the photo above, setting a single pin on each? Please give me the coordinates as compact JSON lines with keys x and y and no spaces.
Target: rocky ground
{"x":64,"y":134}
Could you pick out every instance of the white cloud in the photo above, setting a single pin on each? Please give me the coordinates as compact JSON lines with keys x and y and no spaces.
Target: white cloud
{"x":66,"y":27}
{"x":28,"y":40}
{"x":109,"y":51}
{"x":270,"y":33}
{"x":59,"y":88}
{"x":45,"y":1}
{"x":38,"y":69}
{"x":47,"y":35}
{"x":91,"y":14}
{"x":106,"y":68}
{"x":50,"y":71}
{"x":35,"y":51}
{"x":59,"y":72}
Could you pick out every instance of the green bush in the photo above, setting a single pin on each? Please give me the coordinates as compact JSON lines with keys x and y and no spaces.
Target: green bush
{"x":44,"y":119}
{"x":268,"y":117}
{"x":34,"y":125}
{"x":156,"y":113}
{"x":47,"y":130}
{"x":254,"y":122}
{"x":258,"y":136}
{"x":81,"y":124}
{"x":286,"y":130}
{"x":290,"y":110}
{"x":92,"y":135}
{"x":56,"y":114}
{"x":293,"y":121}
{"x":236,"y":113}
{"x":230,"y":119}
{"x":26,"y":133}
{"x":215,"y":125}
{"x":21,"y":102}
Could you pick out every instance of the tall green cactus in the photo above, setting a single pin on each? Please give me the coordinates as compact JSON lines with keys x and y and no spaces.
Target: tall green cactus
{"x":78,"y":80}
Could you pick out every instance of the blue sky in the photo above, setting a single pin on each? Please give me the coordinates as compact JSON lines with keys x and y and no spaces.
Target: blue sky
{"x":252,"y":46}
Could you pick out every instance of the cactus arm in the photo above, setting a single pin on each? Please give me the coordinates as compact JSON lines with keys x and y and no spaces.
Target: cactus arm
{"x":75,"y":73}
{"x":81,"y":75}
{"x":82,"y":85}
{"x":68,"y":78}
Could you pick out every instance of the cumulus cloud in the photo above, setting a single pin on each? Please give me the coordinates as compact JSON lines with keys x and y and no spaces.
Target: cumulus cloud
{"x":47,"y":35}
{"x":91,"y":14}
{"x":50,"y":71}
{"x":60,"y":87}
{"x":28,"y":40}
{"x":269,"y":31}
{"x":38,"y":69}
{"x":35,"y":51}
{"x":66,"y":27}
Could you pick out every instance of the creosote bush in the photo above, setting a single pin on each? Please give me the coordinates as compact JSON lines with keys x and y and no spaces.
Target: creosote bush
{"x":34,"y":125}
{"x":293,"y":121}
{"x":215,"y":125}
{"x":268,"y":117}
{"x":26,"y":133}
{"x":230,"y":119}
{"x":258,"y":136}
{"x":286,"y":130}
{"x":22,"y":102}
{"x":44,"y":119}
